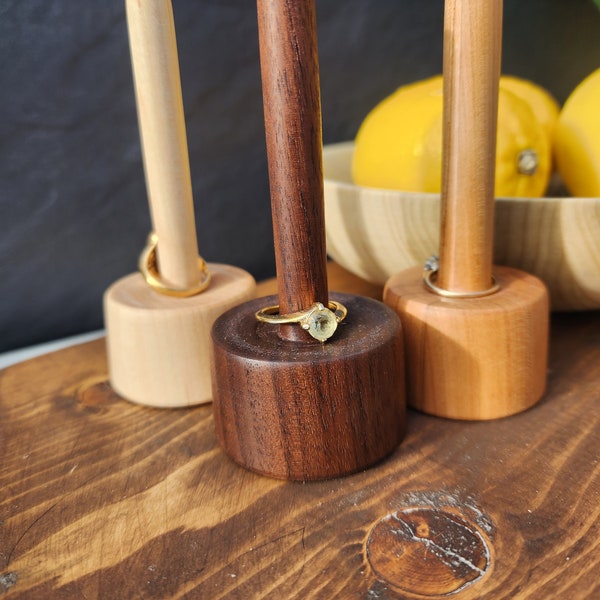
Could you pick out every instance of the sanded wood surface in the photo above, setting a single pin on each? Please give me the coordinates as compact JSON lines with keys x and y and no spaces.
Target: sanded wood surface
{"x":158,"y":346}
{"x":473,"y":358}
{"x":100,"y":498}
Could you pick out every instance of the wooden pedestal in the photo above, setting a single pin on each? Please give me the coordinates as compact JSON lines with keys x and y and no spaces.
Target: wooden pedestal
{"x":159,"y":346}
{"x":307,"y":411}
{"x":475,"y":358}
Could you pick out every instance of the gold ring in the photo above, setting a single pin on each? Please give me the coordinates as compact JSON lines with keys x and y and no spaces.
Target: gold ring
{"x":148,"y":266}
{"x":319,"y":321}
{"x":431,"y":269}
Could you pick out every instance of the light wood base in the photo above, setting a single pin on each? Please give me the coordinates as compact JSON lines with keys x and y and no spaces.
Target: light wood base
{"x":307,"y":411}
{"x":477,"y":358}
{"x":158,"y":346}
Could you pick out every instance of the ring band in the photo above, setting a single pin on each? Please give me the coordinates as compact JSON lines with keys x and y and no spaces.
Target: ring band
{"x":318,"y":321}
{"x":431,"y":270}
{"x":148,"y":266}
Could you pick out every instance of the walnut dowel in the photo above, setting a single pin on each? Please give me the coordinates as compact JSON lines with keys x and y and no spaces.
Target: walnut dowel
{"x":162,"y":129}
{"x":290,"y":79}
{"x":472,"y":52}
{"x":286,"y":405}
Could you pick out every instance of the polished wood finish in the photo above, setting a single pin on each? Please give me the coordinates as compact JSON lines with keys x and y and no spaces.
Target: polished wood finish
{"x":472,"y":49}
{"x":159,"y":346}
{"x":309,"y":411}
{"x":290,"y":82}
{"x":102,"y":498}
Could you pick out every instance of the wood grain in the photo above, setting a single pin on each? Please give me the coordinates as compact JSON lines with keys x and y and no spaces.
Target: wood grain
{"x":305,"y":411}
{"x":292,"y":106}
{"x":472,"y":49}
{"x":162,"y":130}
{"x":473,"y":358}
{"x":103,"y":498}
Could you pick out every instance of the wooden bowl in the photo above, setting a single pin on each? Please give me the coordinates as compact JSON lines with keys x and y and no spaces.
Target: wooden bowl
{"x":375,"y":233}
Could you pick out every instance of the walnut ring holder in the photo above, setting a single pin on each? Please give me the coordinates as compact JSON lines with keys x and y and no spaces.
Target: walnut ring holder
{"x":158,"y":324}
{"x":476,"y":337}
{"x":285,"y":404}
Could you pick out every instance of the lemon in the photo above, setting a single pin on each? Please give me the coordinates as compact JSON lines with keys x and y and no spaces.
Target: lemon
{"x":541,"y":102}
{"x":577,"y":139}
{"x":399,"y":144}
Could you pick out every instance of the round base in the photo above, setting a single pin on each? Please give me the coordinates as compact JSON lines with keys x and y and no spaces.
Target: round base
{"x":473,"y":358}
{"x":306,"y":410}
{"x":159,"y":346}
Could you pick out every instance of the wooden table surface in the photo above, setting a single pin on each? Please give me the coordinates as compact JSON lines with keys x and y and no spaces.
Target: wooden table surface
{"x":100,"y":498}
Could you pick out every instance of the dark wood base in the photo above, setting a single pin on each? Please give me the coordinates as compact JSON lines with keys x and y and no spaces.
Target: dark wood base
{"x":307,"y":411}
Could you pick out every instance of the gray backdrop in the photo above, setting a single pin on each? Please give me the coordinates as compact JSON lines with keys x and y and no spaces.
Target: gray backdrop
{"x":73,"y":210}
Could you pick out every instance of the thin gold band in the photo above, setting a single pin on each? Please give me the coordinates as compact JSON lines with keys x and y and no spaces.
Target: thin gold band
{"x":431,"y":270}
{"x":148,"y":266}
{"x":320,"y":322}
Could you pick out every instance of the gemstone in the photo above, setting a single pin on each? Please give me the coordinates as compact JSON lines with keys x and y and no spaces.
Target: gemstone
{"x":321,"y":323}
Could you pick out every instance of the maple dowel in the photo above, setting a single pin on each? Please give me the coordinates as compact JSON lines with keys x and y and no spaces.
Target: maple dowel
{"x":472,"y":53}
{"x":292,"y":106}
{"x":162,"y":130}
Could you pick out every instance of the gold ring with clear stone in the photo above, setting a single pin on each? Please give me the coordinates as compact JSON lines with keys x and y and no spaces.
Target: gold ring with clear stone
{"x":319,"y":321}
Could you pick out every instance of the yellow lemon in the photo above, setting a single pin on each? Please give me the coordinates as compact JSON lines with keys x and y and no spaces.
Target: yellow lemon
{"x":577,"y":139}
{"x":399,"y":144}
{"x":542,"y":103}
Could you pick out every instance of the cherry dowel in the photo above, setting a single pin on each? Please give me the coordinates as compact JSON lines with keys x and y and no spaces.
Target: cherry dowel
{"x":472,"y":52}
{"x":471,"y":356}
{"x":162,"y":128}
{"x":292,"y":108}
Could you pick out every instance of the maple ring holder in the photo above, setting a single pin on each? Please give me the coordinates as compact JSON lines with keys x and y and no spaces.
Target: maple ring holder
{"x":158,"y":321}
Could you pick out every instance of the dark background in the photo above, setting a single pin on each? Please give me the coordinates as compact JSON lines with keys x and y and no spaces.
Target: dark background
{"x":73,"y":209}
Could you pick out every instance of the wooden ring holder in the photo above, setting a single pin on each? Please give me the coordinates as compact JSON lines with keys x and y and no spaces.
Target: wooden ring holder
{"x":471,"y":358}
{"x":286,"y":405}
{"x":159,"y":346}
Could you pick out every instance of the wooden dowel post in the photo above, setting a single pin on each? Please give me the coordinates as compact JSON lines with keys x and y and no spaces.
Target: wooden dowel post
{"x":162,"y":129}
{"x":286,"y":405}
{"x":472,"y":54}
{"x":292,"y":107}
{"x":476,"y":336}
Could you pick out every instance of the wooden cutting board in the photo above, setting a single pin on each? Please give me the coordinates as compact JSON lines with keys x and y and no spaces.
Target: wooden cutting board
{"x":100,"y":498}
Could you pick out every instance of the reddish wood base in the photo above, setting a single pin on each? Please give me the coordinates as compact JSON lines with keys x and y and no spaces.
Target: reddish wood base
{"x":307,"y":411}
{"x":476,"y":358}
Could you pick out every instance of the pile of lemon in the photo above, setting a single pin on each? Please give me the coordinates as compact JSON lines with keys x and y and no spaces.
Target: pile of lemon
{"x":399,"y":144}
